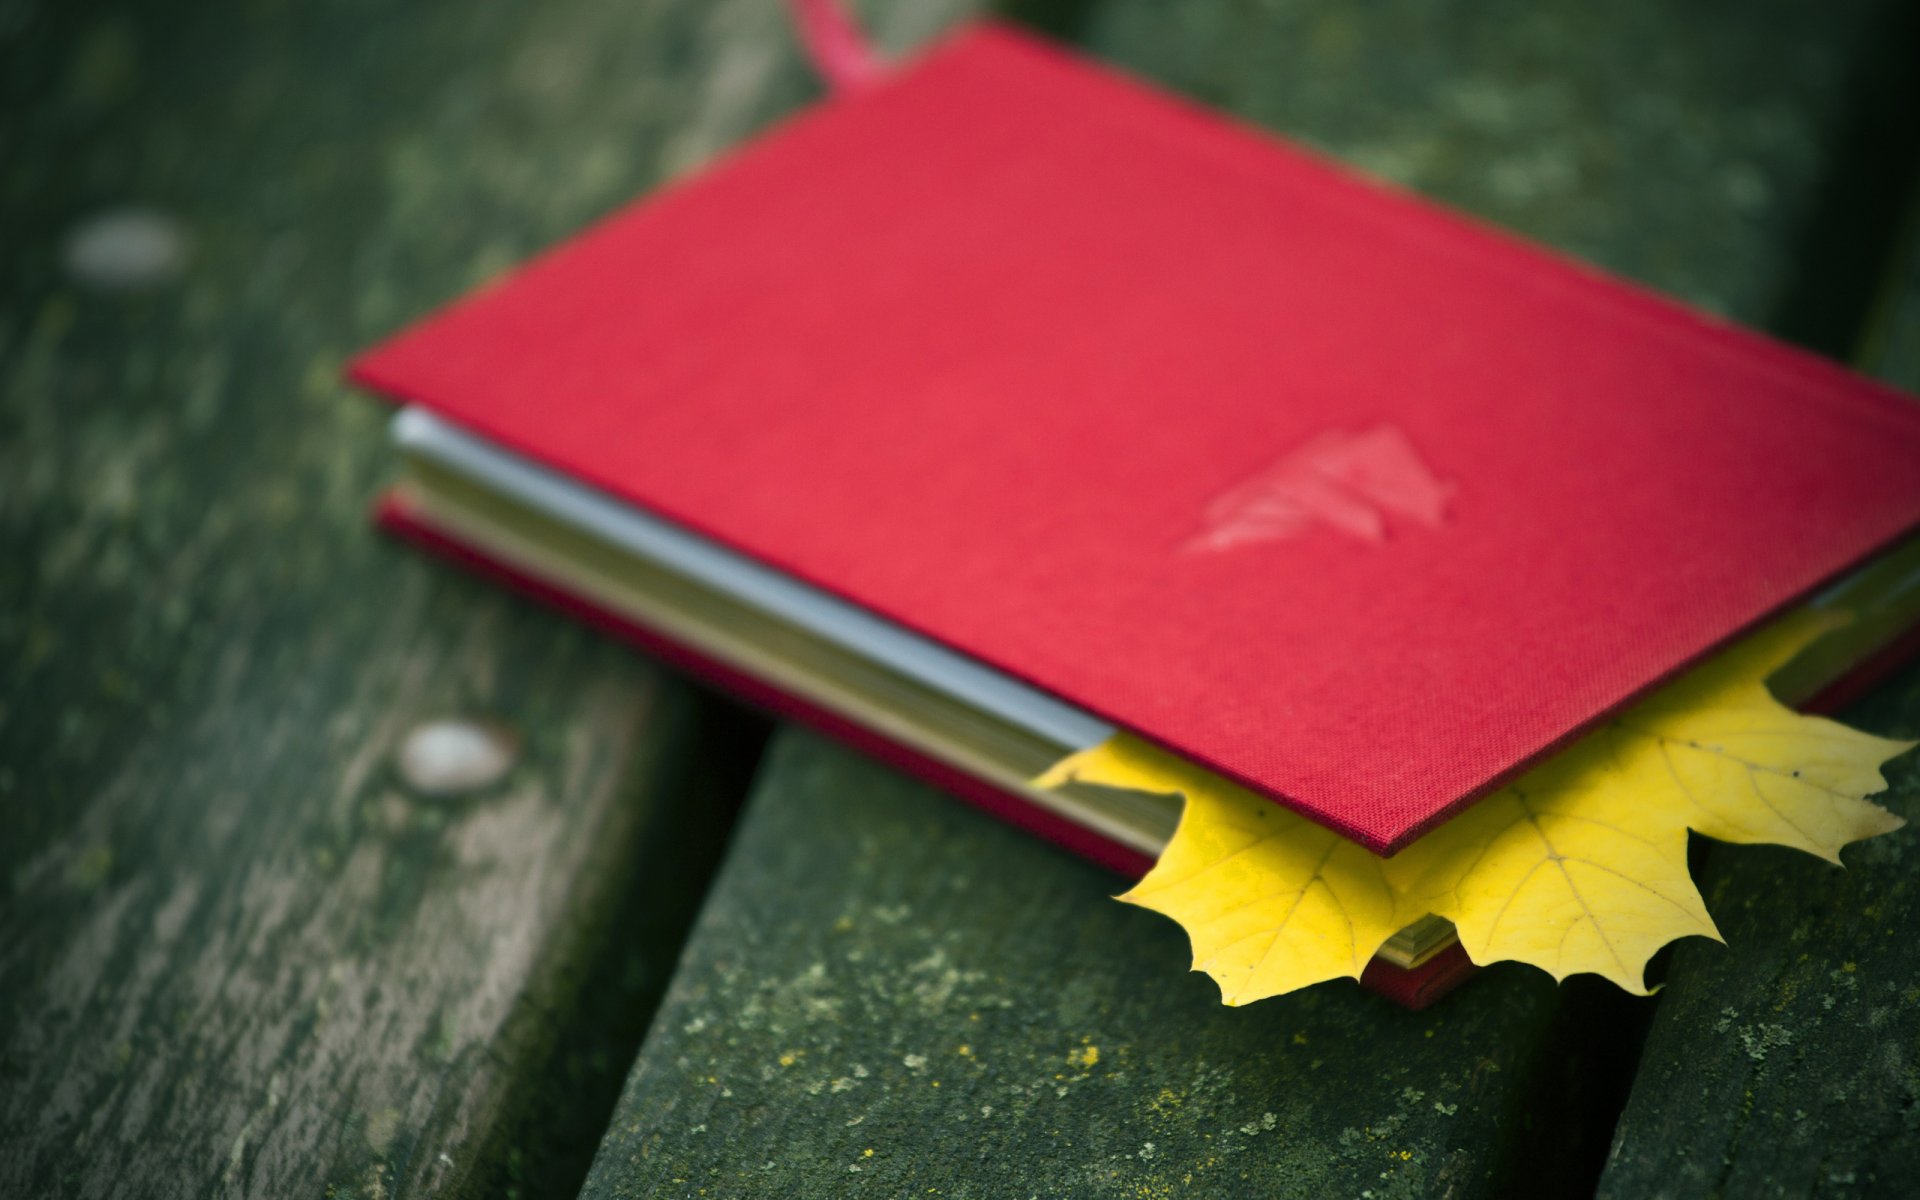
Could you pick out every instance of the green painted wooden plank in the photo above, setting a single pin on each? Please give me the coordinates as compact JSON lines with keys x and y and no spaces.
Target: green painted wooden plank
{"x":1788,"y":1064}
{"x":888,"y":994}
{"x":238,"y":955}
{"x":891,"y":995}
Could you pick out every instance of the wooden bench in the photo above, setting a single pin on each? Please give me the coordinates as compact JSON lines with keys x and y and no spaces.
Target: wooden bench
{"x":271,"y":930}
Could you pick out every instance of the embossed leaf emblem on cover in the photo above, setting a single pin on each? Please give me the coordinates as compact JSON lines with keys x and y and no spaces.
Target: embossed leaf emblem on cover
{"x":1349,"y":482}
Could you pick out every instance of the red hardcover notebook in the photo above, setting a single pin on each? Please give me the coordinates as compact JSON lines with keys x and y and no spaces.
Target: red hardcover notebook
{"x":1344,"y":496}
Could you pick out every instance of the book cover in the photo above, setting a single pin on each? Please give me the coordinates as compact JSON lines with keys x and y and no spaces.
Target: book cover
{"x":1342,"y":496}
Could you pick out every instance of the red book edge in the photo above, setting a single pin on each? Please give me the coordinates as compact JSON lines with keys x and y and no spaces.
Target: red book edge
{"x":1411,"y":987}
{"x":1414,"y":988}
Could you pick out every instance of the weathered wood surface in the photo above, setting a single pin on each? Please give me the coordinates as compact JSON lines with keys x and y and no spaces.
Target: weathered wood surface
{"x":1788,"y":1063}
{"x":888,"y":994}
{"x":1684,"y":146}
{"x":237,"y":955}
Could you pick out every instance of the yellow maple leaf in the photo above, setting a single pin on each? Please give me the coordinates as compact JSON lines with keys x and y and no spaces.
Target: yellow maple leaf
{"x":1744,"y":767}
{"x":1579,"y":865}
{"x":1566,"y":869}
{"x":1271,"y":901}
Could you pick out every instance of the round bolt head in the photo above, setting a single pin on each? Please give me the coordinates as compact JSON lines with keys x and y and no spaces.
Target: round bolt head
{"x":454,"y":756}
{"x":126,"y":250}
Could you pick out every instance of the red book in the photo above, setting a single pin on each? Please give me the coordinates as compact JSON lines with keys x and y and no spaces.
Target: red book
{"x":1348,"y":498}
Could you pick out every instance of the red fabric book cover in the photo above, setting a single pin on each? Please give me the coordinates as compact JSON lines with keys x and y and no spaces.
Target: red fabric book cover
{"x":1349,"y":498}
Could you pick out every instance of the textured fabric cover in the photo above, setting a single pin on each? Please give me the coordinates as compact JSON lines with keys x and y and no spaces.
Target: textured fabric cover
{"x":1346,"y":497}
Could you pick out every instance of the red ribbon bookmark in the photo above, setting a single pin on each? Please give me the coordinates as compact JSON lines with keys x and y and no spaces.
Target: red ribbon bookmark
{"x":833,"y":40}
